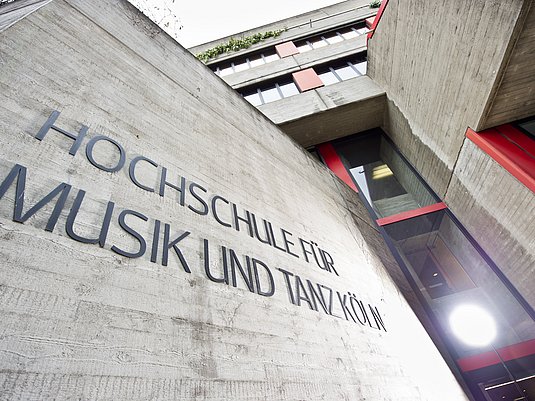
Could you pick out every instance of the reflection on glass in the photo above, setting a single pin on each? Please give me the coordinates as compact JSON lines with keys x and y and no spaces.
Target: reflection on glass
{"x":241,"y":67}
{"x":256,"y":61}
{"x":304,"y":48}
{"x":350,"y":35}
{"x":383,"y":177}
{"x":450,"y":272}
{"x":226,"y":71}
{"x":319,"y":43}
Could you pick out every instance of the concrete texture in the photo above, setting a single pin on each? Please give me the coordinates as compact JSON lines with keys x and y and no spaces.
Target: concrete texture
{"x":514,"y":92}
{"x":499,"y":211}
{"x":329,"y":112}
{"x":80,"y":321}
{"x":439,"y":80}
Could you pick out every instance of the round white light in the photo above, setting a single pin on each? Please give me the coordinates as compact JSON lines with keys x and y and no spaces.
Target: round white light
{"x":473,"y":325}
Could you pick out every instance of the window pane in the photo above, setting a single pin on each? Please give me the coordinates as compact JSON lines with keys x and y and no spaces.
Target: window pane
{"x":304,"y":48}
{"x":383,"y":177}
{"x":226,"y":71}
{"x":254,"y":99}
{"x":328,"y":78}
{"x":334,"y":39}
{"x":256,"y":61}
{"x":319,"y":43}
{"x":241,"y":66}
{"x":270,"y":95}
{"x":289,"y":89}
{"x":361,"y":31}
{"x":361,"y":67}
{"x":350,"y":34}
{"x":450,"y":272}
{"x":271,"y":57}
{"x":346,"y":72}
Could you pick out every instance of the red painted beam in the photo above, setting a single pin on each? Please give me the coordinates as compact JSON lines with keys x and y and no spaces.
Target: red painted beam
{"x":511,"y":148}
{"x":333,"y":161}
{"x":411,"y":213}
{"x":490,"y":358}
{"x":377,"y":19}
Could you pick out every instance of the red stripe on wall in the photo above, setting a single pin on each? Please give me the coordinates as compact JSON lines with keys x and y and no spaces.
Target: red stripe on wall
{"x":490,"y":358}
{"x":411,"y":213}
{"x":511,"y":148}
{"x":333,"y":161}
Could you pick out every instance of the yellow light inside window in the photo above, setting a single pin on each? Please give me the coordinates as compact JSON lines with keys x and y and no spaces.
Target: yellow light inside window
{"x":381,"y":171}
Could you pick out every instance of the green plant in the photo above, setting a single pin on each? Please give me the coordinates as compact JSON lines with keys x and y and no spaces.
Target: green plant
{"x":375,"y":4}
{"x":237,"y":44}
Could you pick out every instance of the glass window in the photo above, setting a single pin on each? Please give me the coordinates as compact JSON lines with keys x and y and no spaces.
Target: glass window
{"x":256,"y":61}
{"x":382,"y":175}
{"x":254,"y":99}
{"x":361,"y":31}
{"x":350,"y":34}
{"x":226,"y":71}
{"x":451,"y":273}
{"x":271,"y":94}
{"x":289,"y":89}
{"x":361,"y":67}
{"x":346,"y":72}
{"x":316,"y":44}
{"x":304,"y":48}
{"x":334,"y":39}
{"x":271,"y":57}
{"x":328,"y":78}
{"x":528,"y":127}
{"x":241,"y":66}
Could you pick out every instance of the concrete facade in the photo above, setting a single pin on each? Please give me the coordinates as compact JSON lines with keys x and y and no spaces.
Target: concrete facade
{"x":126,"y":310}
{"x":433,"y":97}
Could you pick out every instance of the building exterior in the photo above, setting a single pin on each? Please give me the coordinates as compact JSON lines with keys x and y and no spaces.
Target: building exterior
{"x":166,"y":234}
{"x":437,"y":136}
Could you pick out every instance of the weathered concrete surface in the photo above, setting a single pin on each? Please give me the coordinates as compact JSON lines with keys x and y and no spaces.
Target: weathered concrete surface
{"x":329,"y":112}
{"x":514,"y":92}
{"x":499,"y":211}
{"x":439,"y":80}
{"x":80,"y":321}
{"x":10,"y":13}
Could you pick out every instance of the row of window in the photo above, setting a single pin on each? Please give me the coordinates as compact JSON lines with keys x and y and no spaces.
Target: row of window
{"x":341,"y":71}
{"x":269,"y":55}
{"x":330,"y":38}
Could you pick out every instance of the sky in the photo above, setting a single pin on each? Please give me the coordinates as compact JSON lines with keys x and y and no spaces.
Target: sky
{"x":193,"y":22}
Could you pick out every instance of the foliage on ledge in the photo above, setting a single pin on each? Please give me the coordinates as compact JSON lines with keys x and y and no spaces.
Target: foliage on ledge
{"x":237,"y":44}
{"x":375,"y":4}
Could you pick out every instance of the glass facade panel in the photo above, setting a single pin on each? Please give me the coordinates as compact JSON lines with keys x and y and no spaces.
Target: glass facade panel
{"x":254,"y":99}
{"x":256,"y":61}
{"x":304,"y":48}
{"x":361,"y":67}
{"x":334,"y":39}
{"x":226,"y":71}
{"x":346,"y":72}
{"x":289,"y":89}
{"x":270,"y":95}
{"x":316,"y":44}
{"x":350,"y":35}
{"x":271,"y":57}
{"x":328,"y":78}
{"x":451,"y":273}
{"x":241,"y":67}
{"x":383,"y":177}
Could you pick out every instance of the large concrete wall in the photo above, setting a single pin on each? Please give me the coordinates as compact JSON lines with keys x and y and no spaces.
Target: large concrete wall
{"x":80,"y":321}
{"x":438,"y":80}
